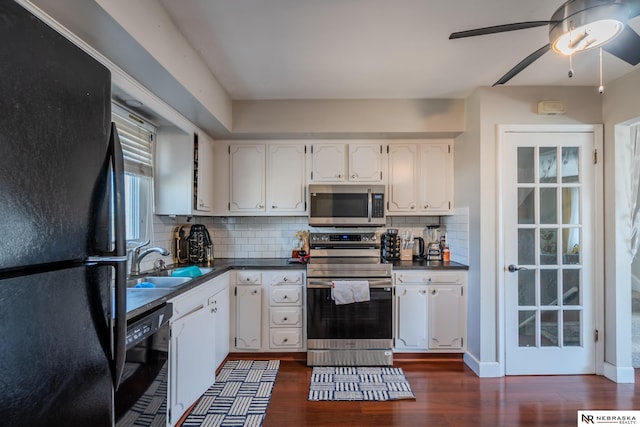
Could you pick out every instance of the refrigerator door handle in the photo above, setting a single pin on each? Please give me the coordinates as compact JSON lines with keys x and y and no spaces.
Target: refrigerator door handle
{"x":105,"y":259}
{"x":119,"y":263}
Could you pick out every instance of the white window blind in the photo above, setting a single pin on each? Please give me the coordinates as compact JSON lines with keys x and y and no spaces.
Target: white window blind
{"x":136,"y":137}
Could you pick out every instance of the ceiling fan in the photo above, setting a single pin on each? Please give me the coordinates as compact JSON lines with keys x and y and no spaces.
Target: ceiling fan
{"x":576,"y":26}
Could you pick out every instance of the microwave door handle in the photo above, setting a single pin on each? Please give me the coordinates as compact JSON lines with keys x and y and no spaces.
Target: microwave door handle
{"x":369,"y":206}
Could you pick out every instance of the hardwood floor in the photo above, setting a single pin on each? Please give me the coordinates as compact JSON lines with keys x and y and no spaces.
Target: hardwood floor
{"x":450,"y":394}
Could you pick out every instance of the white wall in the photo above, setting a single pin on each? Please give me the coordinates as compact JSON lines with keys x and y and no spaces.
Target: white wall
{"x":621,"y":105}
{"x":475,"y":153}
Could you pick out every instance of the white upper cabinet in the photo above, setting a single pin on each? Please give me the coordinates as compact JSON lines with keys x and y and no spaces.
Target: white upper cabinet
{"x":420,"y":178}
{"x":436,"y":177}
{"x":341,"y":162}
{"x":365,"y":162}
{"x":203,"y":162}
{"x":266,"y":178}
{"x":403,"y":178}
{"x":328,"y":162}
{"x":247,"y":178}
{"x":183,"y":173}
{"x":286,"y":169}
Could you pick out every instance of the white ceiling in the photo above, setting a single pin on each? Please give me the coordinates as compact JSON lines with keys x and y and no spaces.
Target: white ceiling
{"x":359,"y":49}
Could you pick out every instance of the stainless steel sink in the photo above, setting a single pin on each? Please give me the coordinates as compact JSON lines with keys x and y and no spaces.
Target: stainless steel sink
{"x":157,"y":282}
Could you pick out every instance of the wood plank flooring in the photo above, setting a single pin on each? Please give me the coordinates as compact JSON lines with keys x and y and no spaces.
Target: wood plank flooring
{"x":449,"y":394}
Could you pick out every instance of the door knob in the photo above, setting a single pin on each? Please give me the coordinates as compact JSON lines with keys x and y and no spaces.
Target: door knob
{"x":513,"y":268}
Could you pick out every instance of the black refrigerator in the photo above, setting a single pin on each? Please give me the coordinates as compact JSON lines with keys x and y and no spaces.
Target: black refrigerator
{"x":62,"y":248}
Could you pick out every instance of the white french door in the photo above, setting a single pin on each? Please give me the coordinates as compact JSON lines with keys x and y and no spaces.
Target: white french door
{"x":548,"y":217}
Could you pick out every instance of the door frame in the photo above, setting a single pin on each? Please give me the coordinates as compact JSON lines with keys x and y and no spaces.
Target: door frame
{"x":598,"y":244}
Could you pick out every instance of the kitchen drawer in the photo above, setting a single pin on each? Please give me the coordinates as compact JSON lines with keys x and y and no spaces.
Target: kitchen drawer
{"x":284,"y":278}
{"x":285,"y":317}
{"x":248,"y":278}
{"x":428,"y":277}
{"x":285,"y":295}
{"x":285,"y":338}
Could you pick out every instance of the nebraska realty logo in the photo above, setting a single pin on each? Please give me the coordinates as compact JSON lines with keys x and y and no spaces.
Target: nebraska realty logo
{"x":627,"y":418}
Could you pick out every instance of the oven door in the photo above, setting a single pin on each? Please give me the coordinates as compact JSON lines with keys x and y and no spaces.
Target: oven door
{"x":371,"y":320}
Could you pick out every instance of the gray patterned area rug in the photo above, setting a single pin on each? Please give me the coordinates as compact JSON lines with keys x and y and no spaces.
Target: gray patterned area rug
{"x":239,"y":397}
{"x":359,"y":383}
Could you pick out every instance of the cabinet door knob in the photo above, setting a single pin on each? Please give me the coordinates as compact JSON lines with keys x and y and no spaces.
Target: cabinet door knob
{"x":214,"y":310}
{"x":354,"y":176}
{"x":284,"y":280}
{"x":274,"y":207}
{"x":433,"y":292}
{"x":413,"y":206}
{"x":285,"y":340}
{"x":254,"y":292}
{"x":427,"y":206}
{"x":339,"y":175}
{"x":284,"y":319}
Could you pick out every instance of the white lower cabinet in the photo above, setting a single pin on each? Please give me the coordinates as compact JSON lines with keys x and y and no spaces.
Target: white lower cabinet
{"x":268,"y":311}
{"x":412,"y":324}
{"x":430,"y":311}
{"x":446,"y":309}
{"x":248,"y":317}
{"x":198,"y":343}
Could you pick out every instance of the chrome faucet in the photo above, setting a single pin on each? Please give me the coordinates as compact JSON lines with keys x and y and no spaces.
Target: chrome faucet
{"x":138,"y":255}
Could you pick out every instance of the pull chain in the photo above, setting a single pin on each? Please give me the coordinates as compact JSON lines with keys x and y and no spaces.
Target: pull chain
{"x":570,"y":73}
{"x":601,"y":88}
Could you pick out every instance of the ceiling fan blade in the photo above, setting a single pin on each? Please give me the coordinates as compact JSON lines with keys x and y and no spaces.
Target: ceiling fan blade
{"x":498,"y":29}
{"x":626,"y":46}
{"x":523,"y":64}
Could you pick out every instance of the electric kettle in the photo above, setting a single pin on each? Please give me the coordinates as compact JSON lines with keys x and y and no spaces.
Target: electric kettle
{"x":418,"y":248}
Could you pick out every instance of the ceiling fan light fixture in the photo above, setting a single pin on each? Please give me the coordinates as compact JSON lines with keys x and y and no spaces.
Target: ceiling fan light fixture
{"x":588,"y":36}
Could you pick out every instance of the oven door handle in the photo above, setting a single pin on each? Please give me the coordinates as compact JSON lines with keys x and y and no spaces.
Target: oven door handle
{"x":377,"y":283}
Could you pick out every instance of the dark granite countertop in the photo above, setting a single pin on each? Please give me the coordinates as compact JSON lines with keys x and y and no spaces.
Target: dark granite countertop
{"x":423,"y":264}
{"x":140,"y":301}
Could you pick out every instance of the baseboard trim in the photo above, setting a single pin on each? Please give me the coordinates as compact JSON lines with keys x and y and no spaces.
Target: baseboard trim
{"x":483,"y":369}
{"x":302,"y":356}
{"x":621,"y":375}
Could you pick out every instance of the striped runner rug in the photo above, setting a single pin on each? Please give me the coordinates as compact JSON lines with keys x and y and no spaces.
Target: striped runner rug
{"x":359,"y":383}
{"x":239,"y":397}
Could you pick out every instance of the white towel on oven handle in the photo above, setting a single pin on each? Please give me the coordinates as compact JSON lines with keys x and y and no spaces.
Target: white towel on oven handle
{"x":350,"y":291}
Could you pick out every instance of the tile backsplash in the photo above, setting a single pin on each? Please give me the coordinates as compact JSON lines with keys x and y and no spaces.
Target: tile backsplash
{"x":273,"y":237}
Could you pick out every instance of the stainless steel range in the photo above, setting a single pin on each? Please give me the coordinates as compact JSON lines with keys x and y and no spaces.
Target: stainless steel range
{"x":352,"y":334}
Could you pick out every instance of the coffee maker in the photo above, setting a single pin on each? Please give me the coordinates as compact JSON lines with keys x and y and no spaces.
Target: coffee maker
{"x":193,"y":245}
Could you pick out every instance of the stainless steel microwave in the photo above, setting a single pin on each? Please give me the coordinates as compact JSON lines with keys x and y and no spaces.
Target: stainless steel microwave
{"x":346,"y":205}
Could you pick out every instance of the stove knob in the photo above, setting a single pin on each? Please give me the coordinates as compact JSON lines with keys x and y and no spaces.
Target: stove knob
{"x":365,"y":239}
{"x":314,"y":238}
{"x":325,"y":238}
{"x":373,"y":238}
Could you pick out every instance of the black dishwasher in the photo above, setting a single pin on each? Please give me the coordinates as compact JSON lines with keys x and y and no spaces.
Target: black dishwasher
{"x":143,"y":389}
